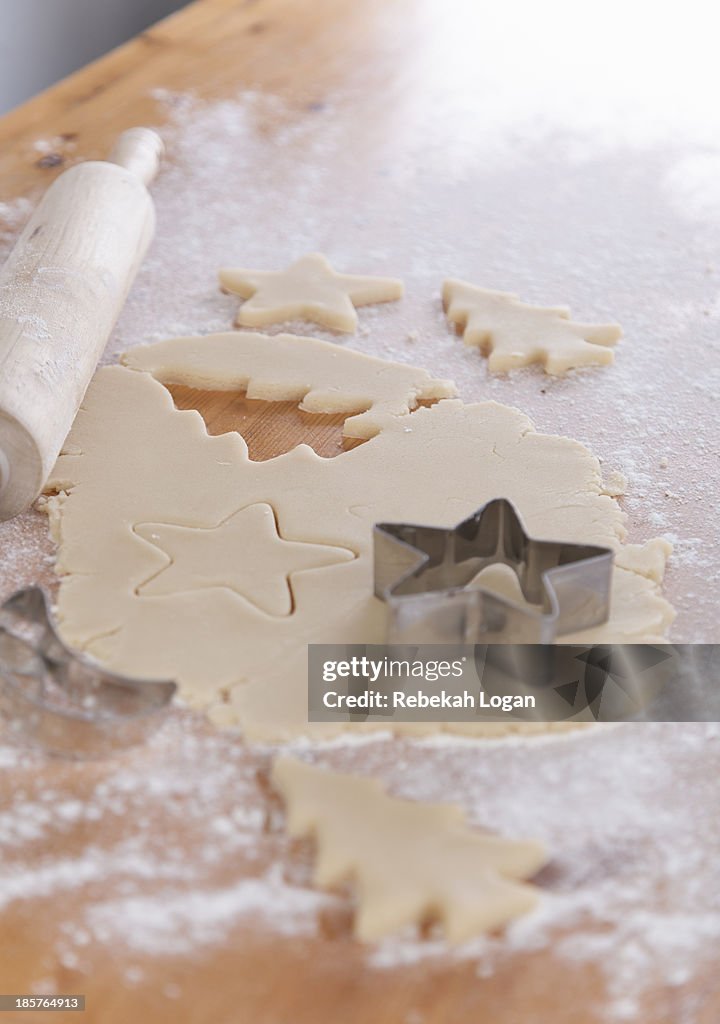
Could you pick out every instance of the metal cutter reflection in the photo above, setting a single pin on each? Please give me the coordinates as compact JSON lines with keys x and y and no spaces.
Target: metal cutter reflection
{"x":64,"y":701}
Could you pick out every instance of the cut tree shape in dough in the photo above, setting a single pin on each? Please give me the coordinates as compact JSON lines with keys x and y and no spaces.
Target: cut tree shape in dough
{"x":512,"y":334}
{"x":309,"y":290}
{"x":243,"y":553}
{"x":437,"y":466}
{"x":409,"y":861}
{"x":321,"y":376}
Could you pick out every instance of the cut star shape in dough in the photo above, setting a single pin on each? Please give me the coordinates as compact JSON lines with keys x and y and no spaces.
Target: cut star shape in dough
{"x":408,"y":860}
{"x":308,"y":290}
{"x":244,"y":553}
{"x":512,"y":334}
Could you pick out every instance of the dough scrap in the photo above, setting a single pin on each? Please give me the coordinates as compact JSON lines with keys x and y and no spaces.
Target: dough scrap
{"x":437,"y":465}
{"x":647,"y":559}
{"x":309,"y":290}
{"x":409,"y":861}
{"x":512,"y":334}
{"x":321,"y":376}
{"x":261,"y":573}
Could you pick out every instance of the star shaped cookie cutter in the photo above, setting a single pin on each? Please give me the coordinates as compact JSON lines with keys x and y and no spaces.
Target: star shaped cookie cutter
{"x":62,"y":700}
{"x":423,"y":572}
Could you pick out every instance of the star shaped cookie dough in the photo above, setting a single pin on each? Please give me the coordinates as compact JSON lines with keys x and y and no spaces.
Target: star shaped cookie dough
{"x":244,"y":553}
{"x":511,"y":333}
{"x":308,"y":290}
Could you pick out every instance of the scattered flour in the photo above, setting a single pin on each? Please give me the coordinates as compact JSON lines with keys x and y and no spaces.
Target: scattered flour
{"x":534,"y":218}
{"x":630,"y":814}
{"x":184,"y":851}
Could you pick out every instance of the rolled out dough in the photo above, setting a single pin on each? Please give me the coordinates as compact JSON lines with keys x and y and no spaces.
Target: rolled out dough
{"x":132,"y":458}
{"x":262,"y":573}
{"x":320,"y":376}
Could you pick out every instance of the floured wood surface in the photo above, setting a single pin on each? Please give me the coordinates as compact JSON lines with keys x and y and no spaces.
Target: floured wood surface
{"x":376,"y":129}
{"x":376,"y":132}
{"x":162,"y":884}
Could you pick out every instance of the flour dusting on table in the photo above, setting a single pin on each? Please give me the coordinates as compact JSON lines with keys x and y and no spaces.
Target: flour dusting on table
{"x":183,"y":852}
{"x":276,"y":181}
{"x":169,"y":850}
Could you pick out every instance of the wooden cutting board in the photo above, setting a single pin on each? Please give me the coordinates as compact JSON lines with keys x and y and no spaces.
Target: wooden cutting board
{"x":302,"y":51}
{"x":269,"y":428}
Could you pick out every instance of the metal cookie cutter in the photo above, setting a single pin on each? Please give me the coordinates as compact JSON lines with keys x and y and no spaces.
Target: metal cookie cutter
{"x":423,"y":572}
{"x":64,"y":701}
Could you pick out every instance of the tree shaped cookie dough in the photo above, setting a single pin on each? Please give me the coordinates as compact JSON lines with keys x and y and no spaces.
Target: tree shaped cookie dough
{"x":409,"y":861}
{"x":308,"y":290}
{"x":511,"y":333}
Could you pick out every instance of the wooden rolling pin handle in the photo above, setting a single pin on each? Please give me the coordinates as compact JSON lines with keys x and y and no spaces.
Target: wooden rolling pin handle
{"x":61,"y":291}
{"x":138,"y":150}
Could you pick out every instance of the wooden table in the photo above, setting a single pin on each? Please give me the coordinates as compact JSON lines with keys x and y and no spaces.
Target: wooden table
{"x":305,"y":53}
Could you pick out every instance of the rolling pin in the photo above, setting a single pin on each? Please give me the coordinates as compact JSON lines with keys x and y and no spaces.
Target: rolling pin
{"x":61,"y":292}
